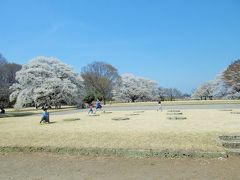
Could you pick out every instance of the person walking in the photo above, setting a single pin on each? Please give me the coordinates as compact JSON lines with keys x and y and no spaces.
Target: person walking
{"x":159,"y":105}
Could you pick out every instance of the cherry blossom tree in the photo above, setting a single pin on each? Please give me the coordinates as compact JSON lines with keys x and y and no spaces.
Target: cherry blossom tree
{"x":204,"y":90}
{"x":220,"y":89}
{"x":46,"y":82}
{"x":217,"y":88}
{"x":231,"y":77}
{"x":133,"y":88}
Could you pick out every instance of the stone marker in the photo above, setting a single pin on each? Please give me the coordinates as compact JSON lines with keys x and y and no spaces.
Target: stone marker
{"x":133,"y":114}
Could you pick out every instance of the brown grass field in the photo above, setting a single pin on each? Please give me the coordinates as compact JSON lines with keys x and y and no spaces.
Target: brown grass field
{"x":143,"y":131}
{"x":180,"y":102}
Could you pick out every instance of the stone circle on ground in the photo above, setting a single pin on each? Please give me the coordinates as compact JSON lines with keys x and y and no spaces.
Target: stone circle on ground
{"x":231,"y":143}
{"x":174,"y":110}
{"x":120,"y":118}
{"x":138,"y":112}
{"x":176,"y":118}
{"x":174,"y":113}
{"x":72,"y":119}
{"x":235,"y":112}
{"x":133,"y":114}
{"x":94,"y":115}
{"x":107,"y":112}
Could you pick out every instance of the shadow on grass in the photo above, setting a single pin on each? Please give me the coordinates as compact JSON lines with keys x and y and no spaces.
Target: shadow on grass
{"x":52,"y":122}
{"x":16,"y":114}
{"x":72,"y":119}
{"x":43,"y":123}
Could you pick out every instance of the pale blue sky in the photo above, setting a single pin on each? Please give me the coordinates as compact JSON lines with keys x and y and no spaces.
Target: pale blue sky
{"x":177,"y":43}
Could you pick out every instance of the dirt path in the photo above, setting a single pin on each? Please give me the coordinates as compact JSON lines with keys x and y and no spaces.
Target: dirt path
{"x":47,"y":166}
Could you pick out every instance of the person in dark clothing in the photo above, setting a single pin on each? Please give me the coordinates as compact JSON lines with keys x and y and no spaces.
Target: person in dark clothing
{"x":2,"y":110}
{"x":98,"y":105}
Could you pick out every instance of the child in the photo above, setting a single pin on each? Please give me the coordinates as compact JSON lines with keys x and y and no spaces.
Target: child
{"x":90,"y":108}
{"x":45,"y":116}
{"x":98,"y":105}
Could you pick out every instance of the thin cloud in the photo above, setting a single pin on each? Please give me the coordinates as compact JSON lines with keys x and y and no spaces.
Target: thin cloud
{"x":52,"y":30}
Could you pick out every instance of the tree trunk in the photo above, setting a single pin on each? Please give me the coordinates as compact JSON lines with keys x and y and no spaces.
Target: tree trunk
{"x":104,"y":100}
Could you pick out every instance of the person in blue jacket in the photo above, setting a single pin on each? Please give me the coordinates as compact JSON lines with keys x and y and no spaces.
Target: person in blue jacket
{"x":98,"y":105}
{"x":45,"y":116}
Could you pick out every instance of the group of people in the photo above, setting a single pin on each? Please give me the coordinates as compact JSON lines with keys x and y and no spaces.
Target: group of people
{"x":98,"y":107}
{"x":45,"y":114}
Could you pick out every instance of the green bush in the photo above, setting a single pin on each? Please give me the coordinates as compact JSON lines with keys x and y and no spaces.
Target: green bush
{"x":89,"y":98}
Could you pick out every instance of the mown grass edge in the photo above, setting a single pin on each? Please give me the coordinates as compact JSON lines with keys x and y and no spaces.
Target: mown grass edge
{"x":138,"y":153}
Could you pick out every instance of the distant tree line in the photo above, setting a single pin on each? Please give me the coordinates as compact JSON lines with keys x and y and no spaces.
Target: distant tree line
{"x":225,"y":86}
{"x":48,"y":82}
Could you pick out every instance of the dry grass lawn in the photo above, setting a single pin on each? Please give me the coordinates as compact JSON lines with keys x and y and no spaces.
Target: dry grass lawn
{"x":148,"y":130}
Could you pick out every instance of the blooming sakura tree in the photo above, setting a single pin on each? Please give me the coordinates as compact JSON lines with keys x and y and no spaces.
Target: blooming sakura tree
{"x":220,"y":89}
{"x":135,"y":88}
{"x":231,"y":77}
{"x":224,"y":86}
{"x":216,"y":88}
{"x":46,"y":81}
{"x":204,"y":90}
